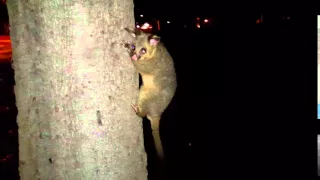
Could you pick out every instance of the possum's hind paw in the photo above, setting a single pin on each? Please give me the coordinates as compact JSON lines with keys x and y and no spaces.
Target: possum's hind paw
{"x":135,"y":108}
{"x":138,"y":111}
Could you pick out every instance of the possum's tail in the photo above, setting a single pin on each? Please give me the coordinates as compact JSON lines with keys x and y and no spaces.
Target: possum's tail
{"x":155,"y":122}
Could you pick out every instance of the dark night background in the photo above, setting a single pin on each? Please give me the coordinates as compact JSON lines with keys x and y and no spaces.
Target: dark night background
{"x":239,"y":86}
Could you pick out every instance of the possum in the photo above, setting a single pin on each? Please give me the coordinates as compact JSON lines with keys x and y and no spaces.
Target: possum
{"x":156,"y":67}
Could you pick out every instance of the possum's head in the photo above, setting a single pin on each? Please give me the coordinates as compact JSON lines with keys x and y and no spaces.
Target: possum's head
{"x":144,"y":45}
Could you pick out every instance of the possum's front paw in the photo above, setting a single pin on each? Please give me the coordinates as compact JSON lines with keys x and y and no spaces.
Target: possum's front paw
{"x":125,"y":44}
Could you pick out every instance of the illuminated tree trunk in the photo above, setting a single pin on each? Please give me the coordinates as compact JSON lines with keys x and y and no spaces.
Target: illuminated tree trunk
{"x":74,"y":87}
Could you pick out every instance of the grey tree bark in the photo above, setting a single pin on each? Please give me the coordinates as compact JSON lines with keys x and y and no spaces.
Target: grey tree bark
{"x":74,"y":87}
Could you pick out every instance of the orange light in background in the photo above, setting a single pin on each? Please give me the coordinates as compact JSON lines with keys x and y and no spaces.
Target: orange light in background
{"x":206,"y":20}
{"x":198,"y":18}
{"x":258,"y":21}
{"x":5,"y":50}
{"x":198,"y":25}
{"x":158,"y":23}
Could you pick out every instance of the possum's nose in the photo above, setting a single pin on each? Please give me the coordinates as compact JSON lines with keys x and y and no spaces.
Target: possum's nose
{"x":134,"y":57}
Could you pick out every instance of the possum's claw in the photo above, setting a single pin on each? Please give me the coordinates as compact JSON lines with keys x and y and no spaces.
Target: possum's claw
{"x":135,"y":108}
{"x":138,"y":111}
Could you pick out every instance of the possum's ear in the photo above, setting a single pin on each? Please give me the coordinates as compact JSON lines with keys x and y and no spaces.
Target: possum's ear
{"x":153,"y":40}
{"x":134,"y":32}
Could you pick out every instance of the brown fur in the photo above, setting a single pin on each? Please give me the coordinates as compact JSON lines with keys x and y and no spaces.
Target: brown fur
{"x":156,"y":68}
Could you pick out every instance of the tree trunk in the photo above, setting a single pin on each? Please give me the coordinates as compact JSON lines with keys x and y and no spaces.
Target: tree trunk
{"x":74,"y":87}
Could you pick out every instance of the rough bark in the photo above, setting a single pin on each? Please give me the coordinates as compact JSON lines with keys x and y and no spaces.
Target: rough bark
{"x":74,"y":87}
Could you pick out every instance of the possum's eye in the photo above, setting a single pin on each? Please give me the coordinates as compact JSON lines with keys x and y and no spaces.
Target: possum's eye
{"x":143,"y":50}
{"x":133,"y":47}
